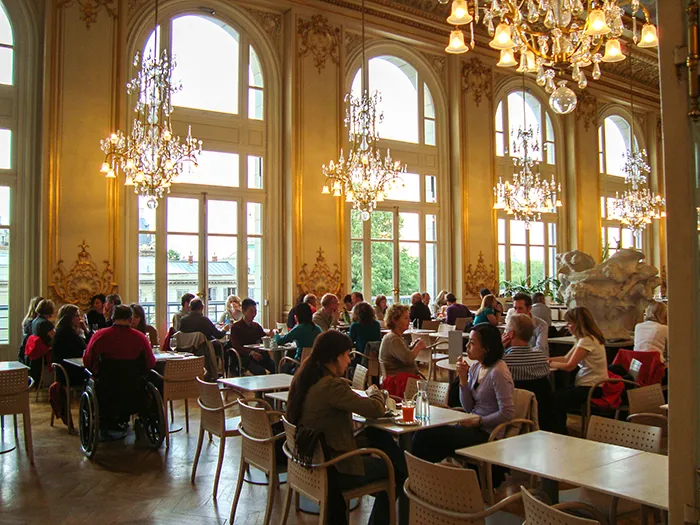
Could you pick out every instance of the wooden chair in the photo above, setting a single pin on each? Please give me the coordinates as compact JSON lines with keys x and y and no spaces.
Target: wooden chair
{"x":461,"y":323}
{"x":311,"y":481}
{"x":445,"y":495}
{"x":69,"y":391}
{"x":539,"y":513}
{"x":180,"y":382}
{"x":370,"y":356}
{"x":645,"y":407}
{"x":430,"y":325}
{"x":46,"y":373}
{"x":586,"y":412}
{"x":14,"y":400}
{"x":152,"y":334}
{"x":214,"y":421}
{"x":305,"y":353}
{"x":438,"y":393}
{"x":257,"y":449}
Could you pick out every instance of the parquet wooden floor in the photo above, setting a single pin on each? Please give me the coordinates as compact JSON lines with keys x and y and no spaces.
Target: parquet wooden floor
{"x":129,"y":485}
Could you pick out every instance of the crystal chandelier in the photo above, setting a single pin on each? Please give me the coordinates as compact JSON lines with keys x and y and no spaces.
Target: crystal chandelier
{"x":552,"y":36}
{"x":365,"y":176}
{"x":151,"y":156}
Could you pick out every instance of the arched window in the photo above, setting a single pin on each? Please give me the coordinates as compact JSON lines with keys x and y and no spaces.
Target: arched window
{"x":216,"y":212}
{"x":614,"y":140}
{"x":525,"y":253}
{"x":395,"y":252}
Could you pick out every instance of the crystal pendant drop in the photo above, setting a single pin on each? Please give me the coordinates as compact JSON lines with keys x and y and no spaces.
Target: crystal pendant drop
{"x":550,"y":21}
{"x":541,"y":78}
{"x":152,"y":203}
{"x":576,"y":72}
{"x":582,"y":82}
{"x":596,"y":71}
{"x":533,"y":13}
{"x":563,"y":100}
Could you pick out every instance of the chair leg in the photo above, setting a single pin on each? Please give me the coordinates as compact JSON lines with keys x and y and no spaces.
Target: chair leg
{"x":167,"y":423}
{"x":187,"y":418}
{"x":391,"y":493}
{"x":222,"y":447}
{"x":28,"y":435}
{"x":239,"y":487}
{"x":271,"y":489}
{"x":196,"y":454}
{"x":287,"y":503}
{"x":322,"y":512}
{"x":172,"y":413}
{"x":14,"y":419}
{"x":51,"y":420}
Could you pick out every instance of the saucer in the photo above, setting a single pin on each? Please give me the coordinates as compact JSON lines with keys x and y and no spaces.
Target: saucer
{"x":400,"y":421}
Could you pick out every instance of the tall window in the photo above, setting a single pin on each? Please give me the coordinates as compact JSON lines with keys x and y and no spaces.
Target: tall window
{"x":207,"y":235}
{"x":613,"y":142}
{"x":395,"y":252}
{"x":525,"y":254}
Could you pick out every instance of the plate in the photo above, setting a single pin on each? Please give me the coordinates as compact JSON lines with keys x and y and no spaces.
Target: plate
{"x":399,"y":421}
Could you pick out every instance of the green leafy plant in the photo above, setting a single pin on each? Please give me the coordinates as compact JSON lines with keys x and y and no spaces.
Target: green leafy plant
{"x":547,"y":286}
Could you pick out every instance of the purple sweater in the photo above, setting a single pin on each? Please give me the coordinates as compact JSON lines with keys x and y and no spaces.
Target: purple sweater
{"x":493,"y":399}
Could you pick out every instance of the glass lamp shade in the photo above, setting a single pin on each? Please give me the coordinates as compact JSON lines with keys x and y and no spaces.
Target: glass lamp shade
{"x":443,"y":2}
{"x":460,"y":13}
{"x":531,"y":64}
{"x":502,"y":38}
{"x":597,"y":26}
{"x":613,"y":52}
{"x":563,"y":100}
{"x":650,"y":38}
{"x":507,"y":59}
{"x":456,"y":45}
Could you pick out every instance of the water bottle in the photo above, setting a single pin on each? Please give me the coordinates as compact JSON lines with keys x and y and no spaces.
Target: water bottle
{"x":422,"y":402}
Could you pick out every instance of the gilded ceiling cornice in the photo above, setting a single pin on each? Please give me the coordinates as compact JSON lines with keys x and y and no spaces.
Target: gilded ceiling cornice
{"x":89,"y":9}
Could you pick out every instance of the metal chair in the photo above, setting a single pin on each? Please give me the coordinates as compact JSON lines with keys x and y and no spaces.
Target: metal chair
{"x":214,"y":421}
{"x":311,"y":481}
{"x":69,"y":390}
{"x":438,"y":393}
{"x":445,"y":495}
{"x":461,"y":323}
{"x":539,"y":513}
{"x":180,"y":382}
{"x":257,"y":449}
{"x":14,"y":399}
{"x":305,"y":353}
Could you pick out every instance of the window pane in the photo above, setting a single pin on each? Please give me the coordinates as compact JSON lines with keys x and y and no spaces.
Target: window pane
{"x":408,"y":191}
{"x":499,"y":117}
{"x":222,"y":266}
{"x":147,"y":216}
{"x":428,"y":107}
{"x":255,"y":104}
{"x":501,"y":263}
{"x":552,"y":233}
{"x":183,"y":269}
{"x":5,"y":27}
{"x":518,"y":270}
{"x":382,"y":254}
{"x":4,"y":206}
{"x":206,"y":54}
{"x":431,"y":269}
{"x":183,"y":215}
{"x":627,"y":238}
{"x":255,"y":218}
{"x":409,"y":268}
{"x":356,"y":222}
{"x":552,"y":262}
{"x":4,"y":285}
{"x":430,"y":188}
{"x":617,"y":141}
{"x":537,"y":233}
{"x":614,"y":237}
{"x":255,"y":76}
{"x":430,"y":228}
{"x":536,"y":264}
{"x":215,"y":168}
{"x":501,"y":231}
{"x":5,"y":149}
{"x":255,"y":172}
{"x":603,"y":211}
{"x":382,"y":226}
{"x":222,"y":217}
{"x":356,"y":268}
{"x":500,"y":145}
{"x":409,"y":226}
{"x":549,"y":150}
{"x":429,"y":132}
{"x":255,"y":274}
{"x":147,"y":276}
{"x":517,"y":232}
{"x":6,"y":65}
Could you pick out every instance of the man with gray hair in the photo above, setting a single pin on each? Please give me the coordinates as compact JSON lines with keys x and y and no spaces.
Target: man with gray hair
{"x":311,"y":300}
{"x":522,"y":304}
{"x":327,"y":316}
{"x":419,"y":311}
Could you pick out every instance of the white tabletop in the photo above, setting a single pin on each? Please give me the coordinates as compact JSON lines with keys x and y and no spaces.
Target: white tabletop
{"x":571,"y":340}
{"x":415,"y":331}
{"x":266,"y":383}
{"x":445,"y":363}
{"x":438,"y":417}
{"x":160,"y":357}
{"x":444,"y":335}
{"x":260,"y":348}
{"x":283,"y":396}
{"x":11,"y":365}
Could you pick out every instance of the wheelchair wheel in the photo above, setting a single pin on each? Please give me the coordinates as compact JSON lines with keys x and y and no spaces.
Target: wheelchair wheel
{"x":152,"y":417}
{"x":89,"y":422}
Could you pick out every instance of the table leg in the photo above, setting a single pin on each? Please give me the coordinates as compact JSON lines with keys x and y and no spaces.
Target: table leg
{"x":551,"y":488}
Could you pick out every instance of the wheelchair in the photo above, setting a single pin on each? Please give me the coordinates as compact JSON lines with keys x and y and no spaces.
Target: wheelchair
{"x":118,"y":391}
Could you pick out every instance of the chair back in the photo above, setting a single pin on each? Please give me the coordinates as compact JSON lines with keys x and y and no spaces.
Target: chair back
{"x":14,"y":394}
{"x":255,"y":425}
{"x":624,"y":434}
{"x":359,"y":377}
{"x":305,"y":353}
{"x":525,"y":408}
{"x":213,"y":418}
{"x":438,"y":393}
{"x":430,"y":325}
{"x":152,"y":334}
{"x":647,"y":399}
{"x":312,"y":483}
{"x":180,"y":377}
{"x":186,"y":341}
{"x":461,"y":323}
{"x":372,"y":353}
{"x":539,"y":513}
{"x":447,"y":488}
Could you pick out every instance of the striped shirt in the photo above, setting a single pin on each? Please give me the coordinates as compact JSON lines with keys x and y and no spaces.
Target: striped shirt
{"x":526,"y":363}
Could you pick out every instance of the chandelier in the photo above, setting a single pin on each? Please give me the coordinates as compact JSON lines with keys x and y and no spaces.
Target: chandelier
{"x":365,"y":176}
{"x":551,"y":37}
{"x":151,"y":156}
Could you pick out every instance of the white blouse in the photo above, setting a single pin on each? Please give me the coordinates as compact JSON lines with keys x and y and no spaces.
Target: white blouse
{"x":651,"y":336}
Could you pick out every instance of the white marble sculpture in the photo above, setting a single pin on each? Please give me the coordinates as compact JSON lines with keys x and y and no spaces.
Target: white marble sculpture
{"x":616,"y":291}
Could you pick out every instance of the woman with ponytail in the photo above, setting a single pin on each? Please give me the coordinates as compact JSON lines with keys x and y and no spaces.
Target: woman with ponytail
{"x":321,"y":399}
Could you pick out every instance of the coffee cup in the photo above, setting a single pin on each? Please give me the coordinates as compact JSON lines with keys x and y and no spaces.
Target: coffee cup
{"x":267,"y":342}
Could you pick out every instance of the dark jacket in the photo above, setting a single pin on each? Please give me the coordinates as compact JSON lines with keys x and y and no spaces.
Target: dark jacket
{"x":421,"y":312}
{"x":197,"y":322}
{"x":67,"y":344}
{"x":96,"y":318}
{"x":41,"y":328}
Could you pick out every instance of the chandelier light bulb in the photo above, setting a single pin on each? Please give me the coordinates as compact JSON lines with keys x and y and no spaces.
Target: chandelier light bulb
{"x":456,"y":45}
{"x":130,"y":164}
{"x":167,"y":135}
{"x":111,"y":174}
{"x":613,"y":52}
{"x":650,"y":37}
{"x":326,"y":190}
{"x":104,"y":168}
{"x":563,"y":100}
{"x":443,"y":2}
{"x":596,"y":24}
{"x":531,"y":63}
{"x":114,"y":138}
{"x":502,"y":38}
{"x":460,"y":13}
{"x":336,"y":192}
{"x":507,"y":59}
{"x":129,"y":181}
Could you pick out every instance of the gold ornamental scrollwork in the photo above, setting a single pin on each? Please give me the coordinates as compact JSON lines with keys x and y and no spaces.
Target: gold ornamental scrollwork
{"x":90,"y":8}
{"x":477,"y":78}
{"x":480,"y":277}
{"x":84,"y":279}
{"x":321,"y":279}
{"x":320,"y":40}
{"x":587,"y":109}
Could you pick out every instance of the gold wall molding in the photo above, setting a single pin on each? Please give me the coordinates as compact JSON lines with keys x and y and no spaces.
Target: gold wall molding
{"x":353,"y":41}
{"x":477,"y":79}
{"x":271,"y":23}
{"x":587,"y":109}
{"x":320,"y":40}
{"x":89,"y":9}
{"x":84,"y":279}
{"x":480,"y":277}
{"x":438,"y":63}
{"x":663,"y":287}
{"x":321,"y":279}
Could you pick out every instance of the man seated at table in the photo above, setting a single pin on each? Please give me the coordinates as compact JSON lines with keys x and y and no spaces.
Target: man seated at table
{"x":455,"y":310}
{"x":327,"y":315}
{"x":312,"y":301}
{"x":196,"y":321}
{"x":419,"y":311}
{"x":184,"y":310}
{"x":248,"y":332}
{"x":522,"y":304}
{"x":529,"y":366}
{"x":356,"y":297}
{"x":540,"y":308}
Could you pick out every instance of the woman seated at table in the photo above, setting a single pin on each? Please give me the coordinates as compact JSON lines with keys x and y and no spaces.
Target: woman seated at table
{"x":292,"y":316}
{"x":364,"y":328}
{"x":303,"y":334}
{"x":320,"y":399}
{"x":27,"y":325}
{"x":440,"y":305}
{"x":394,"y":353}
{"x":490,"y":311}
{"x":347,"y":309}
{"x":485,"y":390}
{"x":96,"y":315}
{"x":588,"y":353}
{"x":39,"y":343}
{"x":380,"y":307}
{"x":70,"y":341}
{"x":233,"y":310}
{"x":652,"y":334}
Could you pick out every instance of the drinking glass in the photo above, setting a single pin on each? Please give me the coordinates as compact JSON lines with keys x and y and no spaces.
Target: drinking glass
{"x":94,"y":327}
{"x":173,"y":344}
{"x":408,"y":410}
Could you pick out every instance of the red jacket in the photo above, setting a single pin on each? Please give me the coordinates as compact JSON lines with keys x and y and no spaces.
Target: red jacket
{"x":36,"y":348}
{"x":652,"y":370}
{"x":117,"y":342}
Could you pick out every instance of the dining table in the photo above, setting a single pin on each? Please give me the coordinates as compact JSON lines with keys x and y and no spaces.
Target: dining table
{"x":258,"y":385}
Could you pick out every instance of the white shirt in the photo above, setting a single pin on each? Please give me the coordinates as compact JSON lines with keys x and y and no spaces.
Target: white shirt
{"x":651,"y":336}
{"x":594,"y":365}
{"x":540,"y":339}
{"x":542,"y":311}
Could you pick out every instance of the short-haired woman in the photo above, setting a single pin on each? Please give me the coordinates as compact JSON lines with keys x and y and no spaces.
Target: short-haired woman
{"x":588,"y":353}
{"x":396,"y":356}
{"x":233,"y":311}
{"x":70,"y":341}
{"x":303,"y":334}
{"x":485,"y":390}
{"x":320,"y":399}
{"x":652,"y":334}
{"x":490,"y":311}
{"x":364,"y":328}
{"x":380,"y":307}
{"x":96,"y":316}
